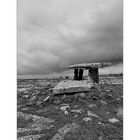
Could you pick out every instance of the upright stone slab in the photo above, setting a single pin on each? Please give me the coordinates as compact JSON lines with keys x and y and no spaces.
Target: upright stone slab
{"x":94,"y":75}
{"x":75,"y":74}
{"x":80,"y":76}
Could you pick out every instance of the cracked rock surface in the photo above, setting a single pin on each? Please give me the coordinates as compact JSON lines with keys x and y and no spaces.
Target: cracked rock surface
{"x":93,"y":115}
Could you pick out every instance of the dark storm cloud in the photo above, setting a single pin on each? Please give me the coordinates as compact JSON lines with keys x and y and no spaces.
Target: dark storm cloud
{"x":53,"y":34}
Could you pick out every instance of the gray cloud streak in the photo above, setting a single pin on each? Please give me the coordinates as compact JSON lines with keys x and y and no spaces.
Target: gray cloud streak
{"x":53,"y":34}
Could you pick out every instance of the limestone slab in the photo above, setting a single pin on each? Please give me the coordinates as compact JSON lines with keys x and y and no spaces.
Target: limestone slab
{"x":90,"y":65}
{"x":72,"y":86}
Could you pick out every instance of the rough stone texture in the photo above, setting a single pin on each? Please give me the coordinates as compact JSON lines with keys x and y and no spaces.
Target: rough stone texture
{"x":120,"y":112}
{"x":87,"y":119}
{"x":94,"y":75}
{"x":35,"y":123}
{"x":90,"y":65}
{"x":64,"y":108}
{"x":48,"y":120}
{"x":113,"y":120}
{"x":75,"y":74}
{"x":82,"y":95}
{"x":91,"y":114}
{"x":77,"y":111}
{"x":62,"y":131}
{"x":31,"y":137}
{"x":72,"y":87}
{"x":80,"y":74}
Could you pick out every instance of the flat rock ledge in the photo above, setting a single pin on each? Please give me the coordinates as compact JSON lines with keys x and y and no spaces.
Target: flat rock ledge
{"x":72,"y":86}
{"x":90,"y":65}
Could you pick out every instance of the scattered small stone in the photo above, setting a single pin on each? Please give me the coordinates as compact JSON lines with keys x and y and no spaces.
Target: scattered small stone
{"x":75,"y":116}
{"x":82,"y":95}
{"x":25,"y":108}
{"x":77,"y":110}
{"x":51,"y":89}
{"x":41,"y":111}
{"x":91,"y":105}
{"x":63,"y":97}
{"x":108,"y":97}
{"x":33,"y":98}
{"x":30,"y":103}
{"x":87,"y":119}
{"x":64,"y":104}
{"x":95,"y":97}
{"x":33,"y":94}
{"x":31,"y":137}
{"x":103,"y":102}
{"x":46,"y":98}
{"x":75,"y":106}
{"x":57,"y":101}
{"x":99,"y":123}
{"x":113,"y":120}
{"x":107,"y":90}
{"x":38,"y":103}
{"x":62,"y":131}
{"x":66,"y":112}
{"x":64,"y":107}
{"x":76,"y":95}
{"x":26,"y":96}
{"x":120,"y":112}
{"x":22,"y":89}
{"x":89,"y":113}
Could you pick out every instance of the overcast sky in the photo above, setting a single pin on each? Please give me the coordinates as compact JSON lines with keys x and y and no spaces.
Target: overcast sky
{"x":53,"y":34}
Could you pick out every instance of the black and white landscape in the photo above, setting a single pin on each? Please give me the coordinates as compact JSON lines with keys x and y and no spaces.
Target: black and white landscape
{"x":55,"y":102}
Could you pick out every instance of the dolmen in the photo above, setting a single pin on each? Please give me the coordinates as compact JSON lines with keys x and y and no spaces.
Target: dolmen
{"x":78,"y":84}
